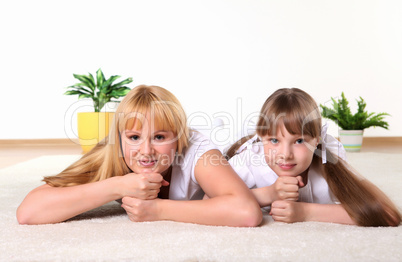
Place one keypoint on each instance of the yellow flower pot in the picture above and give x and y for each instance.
(92, 128)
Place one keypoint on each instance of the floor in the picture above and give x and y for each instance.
(15, 153)
(11, 154)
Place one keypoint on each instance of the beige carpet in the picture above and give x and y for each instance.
(106, 234)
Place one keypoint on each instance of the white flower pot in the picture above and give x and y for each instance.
(351, 139)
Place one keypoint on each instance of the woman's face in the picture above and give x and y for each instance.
(148, 149)
(287, 154)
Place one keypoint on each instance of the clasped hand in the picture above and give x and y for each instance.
(286, 208)
(140, 197)
(287, 188)
(143, 186)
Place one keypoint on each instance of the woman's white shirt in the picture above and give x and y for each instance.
(183, 185)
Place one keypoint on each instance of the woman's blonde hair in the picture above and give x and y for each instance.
(106, 159)
(298, 112)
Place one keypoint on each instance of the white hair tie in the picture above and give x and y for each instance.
(324, 143)
(248, 144)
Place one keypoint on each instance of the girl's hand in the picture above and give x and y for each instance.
(142, 186)
(287, 188)
(139, 210)
(287, 211)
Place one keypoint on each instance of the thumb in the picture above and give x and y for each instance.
(153, 177)
(300, 181)
(165, 183)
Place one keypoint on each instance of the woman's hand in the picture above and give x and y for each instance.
(142, 186)
(139, 210)
(288, 211)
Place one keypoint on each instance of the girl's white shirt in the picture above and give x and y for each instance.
(183, 185)
(251, 166)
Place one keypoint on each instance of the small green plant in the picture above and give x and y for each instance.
(341, 114)
(100, 91)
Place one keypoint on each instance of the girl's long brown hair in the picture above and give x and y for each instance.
(106, 159)
(366, 204)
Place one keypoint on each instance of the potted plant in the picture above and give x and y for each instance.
(352, 125)
(94, 126)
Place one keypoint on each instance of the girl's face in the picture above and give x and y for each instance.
(287, 154)
(148, 149)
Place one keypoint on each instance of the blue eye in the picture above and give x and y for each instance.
(273, 140)
(300, 141)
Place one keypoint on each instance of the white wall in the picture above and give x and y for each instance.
(215, 56)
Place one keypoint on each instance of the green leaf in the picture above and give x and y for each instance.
(100, 78)
(71, 92)
(122, 83)
(106, 86)
(86, 80)
(84, 96)
(77, 92)
(81, 87)
(116, 93)
(91, 77)
(82, 91)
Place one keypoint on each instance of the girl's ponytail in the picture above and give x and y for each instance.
(366, 204)
(233, 148)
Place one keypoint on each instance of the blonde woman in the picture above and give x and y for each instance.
(155, 164)
(290, 168)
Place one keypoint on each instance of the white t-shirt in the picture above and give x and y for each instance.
(183, 185)
(251, 166)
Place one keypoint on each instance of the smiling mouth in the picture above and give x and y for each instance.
(286, 166)
(147, 163)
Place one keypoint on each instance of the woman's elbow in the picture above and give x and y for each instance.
(23, 217)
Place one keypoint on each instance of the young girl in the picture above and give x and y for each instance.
(292, 170)
(150, 160)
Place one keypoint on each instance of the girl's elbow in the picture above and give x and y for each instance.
(253, 220)
(251, 215)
